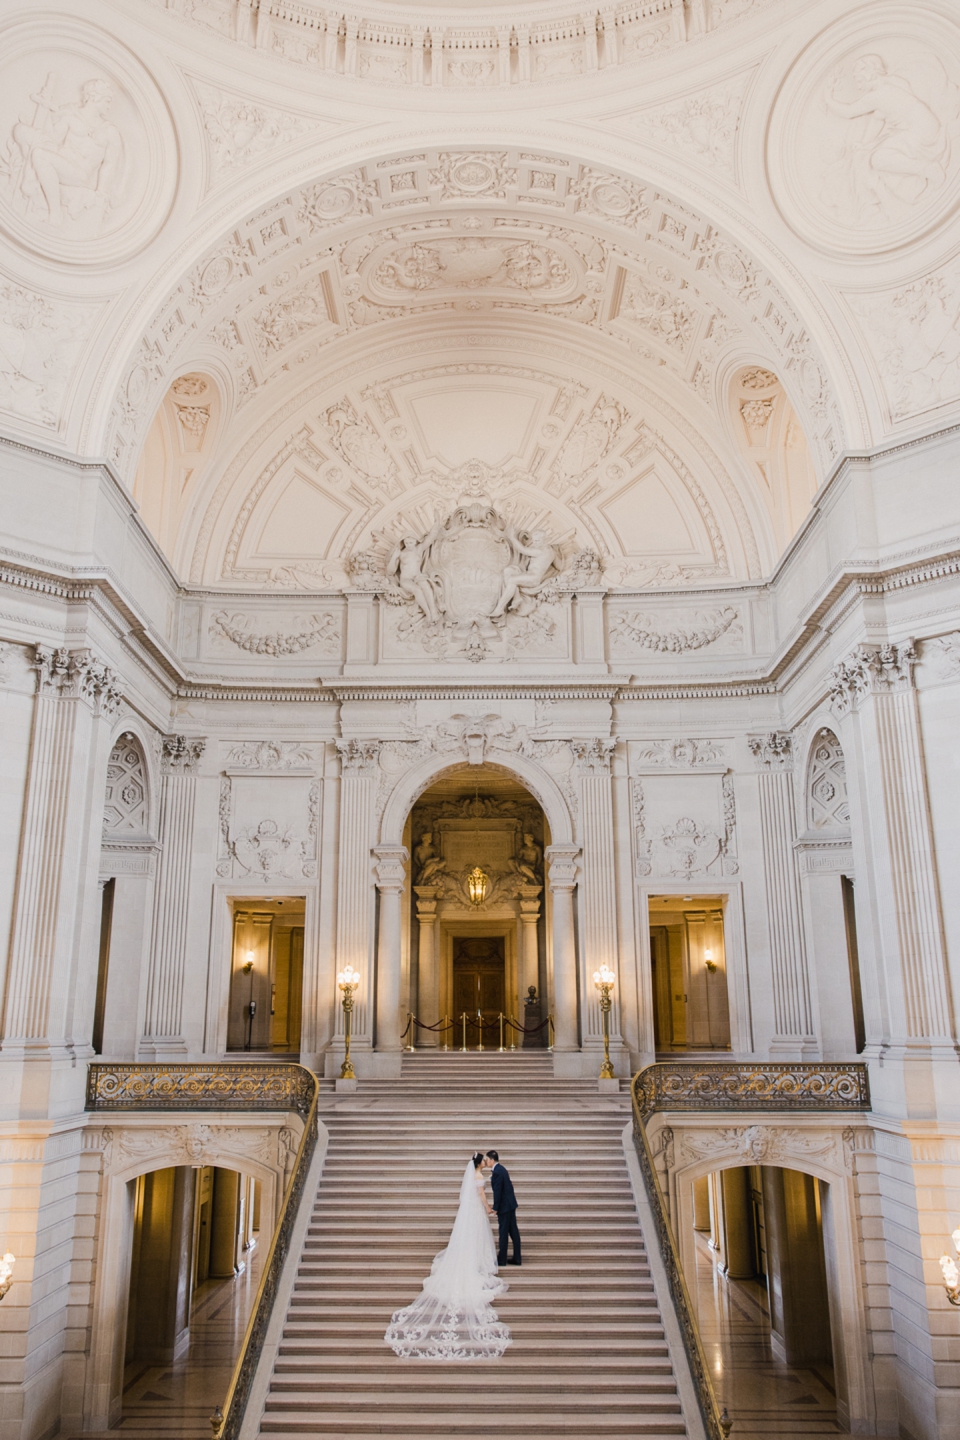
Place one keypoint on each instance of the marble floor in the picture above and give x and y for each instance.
(765, 1398)
(175, 1402)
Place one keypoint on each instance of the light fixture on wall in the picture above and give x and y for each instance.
(249, 965)
(6, 1272)
(951, 1272)
(709, 961)
(478, 885)
(604, 979)
(348, 980)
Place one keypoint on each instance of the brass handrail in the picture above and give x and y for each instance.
(725, 1085)
(229, 1086)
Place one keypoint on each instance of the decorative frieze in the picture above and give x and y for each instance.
(679, 754)
(314, 630)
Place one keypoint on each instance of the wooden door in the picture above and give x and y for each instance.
(478, 984)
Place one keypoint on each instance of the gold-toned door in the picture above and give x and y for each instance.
(478, 984)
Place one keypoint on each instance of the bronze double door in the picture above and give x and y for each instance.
(479, 984)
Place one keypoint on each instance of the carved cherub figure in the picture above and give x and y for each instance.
(406, 563)
(522, 582)
(428, 863)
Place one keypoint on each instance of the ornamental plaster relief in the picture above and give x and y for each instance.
(457, 49)
(229, 630)
(41, 342)
(912, 335)
(680, 292)
(268, 827)
(87, 164)
(704, 126)
(684, 824)
(863, 141)
(677, 632)
(240, 132)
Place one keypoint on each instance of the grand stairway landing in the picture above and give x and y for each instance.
(588, 1358)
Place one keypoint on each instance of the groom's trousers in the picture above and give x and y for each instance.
(507, 1220)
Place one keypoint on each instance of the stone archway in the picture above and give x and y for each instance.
(561, 877)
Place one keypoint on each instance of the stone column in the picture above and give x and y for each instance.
(529, 967)
(163, 1021)
(598, 888)
(793, 1030)
(355, 891)
(428, 979)
(907, 999)
(562, 879)
(53, 952)
(391, 880)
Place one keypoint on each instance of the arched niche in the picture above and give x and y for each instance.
(177, 450)
(826, 800)
(769, 435)
(127, 798)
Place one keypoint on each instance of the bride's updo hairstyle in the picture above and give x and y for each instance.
(478, 1160)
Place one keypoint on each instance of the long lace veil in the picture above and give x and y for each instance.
(453, 1318)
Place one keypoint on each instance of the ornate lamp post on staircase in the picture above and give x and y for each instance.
(348, 980)
(604, 979)
(951, 1272)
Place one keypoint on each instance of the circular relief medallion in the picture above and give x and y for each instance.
(473, 175)
(611, 199)
(864, 147)
(88, 156)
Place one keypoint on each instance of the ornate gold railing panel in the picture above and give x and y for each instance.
(234, 1085)
(686, 1085)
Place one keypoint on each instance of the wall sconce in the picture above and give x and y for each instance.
(6, 1272)
(249, 965)
(348, 980)
(709, 961)
(951, 1273)
(478, 884)
(604, 979)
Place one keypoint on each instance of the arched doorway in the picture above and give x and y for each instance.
(477, 923)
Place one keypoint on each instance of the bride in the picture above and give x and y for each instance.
(453, 1318)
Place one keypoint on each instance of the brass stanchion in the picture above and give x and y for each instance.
(447, 1025)
(463, 1017)
(550, 1031)
(513, 1035)
(410, 1030)
(479, 1030)
(502, 1046)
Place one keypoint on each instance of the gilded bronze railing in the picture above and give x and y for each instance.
(234, 1085)
(725, 1085)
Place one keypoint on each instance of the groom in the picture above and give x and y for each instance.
(505, 1204)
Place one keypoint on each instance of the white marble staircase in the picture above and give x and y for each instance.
(588, 1359)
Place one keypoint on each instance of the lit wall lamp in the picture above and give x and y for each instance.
(478, 885)
(604, 979)
(6, 1273)
(709, 961)
(249, 965)
(348, 980)
(951, 1273)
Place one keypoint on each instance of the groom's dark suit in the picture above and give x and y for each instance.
(505, 1204)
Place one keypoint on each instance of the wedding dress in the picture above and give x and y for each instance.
(453, 1318)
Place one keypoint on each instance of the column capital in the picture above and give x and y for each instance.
(358, 757)
(562, 860)
(773, 751)
(180, 754)
(593, 756)
(391, 867)
(871, 670)
(77, 675)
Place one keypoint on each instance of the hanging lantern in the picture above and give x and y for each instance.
(477, 886)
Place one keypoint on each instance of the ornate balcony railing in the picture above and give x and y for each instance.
(688, 1085)
(233, 1085)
